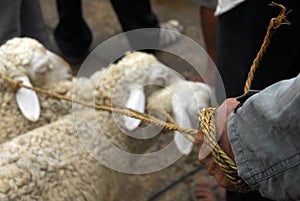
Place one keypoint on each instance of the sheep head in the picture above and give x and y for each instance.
(27, 60)
(176, 96)
(158, 76)
(27, 57)
(183, 100)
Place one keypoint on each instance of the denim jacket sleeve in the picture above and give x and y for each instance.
(265, 138)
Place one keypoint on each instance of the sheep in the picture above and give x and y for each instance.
(50, 163)
(44, 69)
(183, 100)
(45, 164)
(130, 83)
(26, 59)
(118, 81)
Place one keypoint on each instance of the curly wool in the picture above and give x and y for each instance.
(15, 55)
(13, 122)
(115, 82)
(117, 78)
(50, 163)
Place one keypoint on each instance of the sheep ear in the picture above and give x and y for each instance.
(136, 101)
(28, 101)
(180, 115)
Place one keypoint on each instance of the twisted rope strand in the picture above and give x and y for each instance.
(227, 165)
(206, 117)
(274, 24)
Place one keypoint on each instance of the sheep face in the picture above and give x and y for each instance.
(46, 68)
(27, 60)
(161, 75)
(27, 57)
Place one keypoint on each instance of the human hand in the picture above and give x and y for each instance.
(207, 190)
(221, 116)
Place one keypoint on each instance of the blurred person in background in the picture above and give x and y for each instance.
(22, 18)
(73, 36)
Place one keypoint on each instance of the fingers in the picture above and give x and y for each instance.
(200, 138)
(204, 194)
(222, 179)
(205, 183)
(204, 191)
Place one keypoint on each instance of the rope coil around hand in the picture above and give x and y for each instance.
(206, 115)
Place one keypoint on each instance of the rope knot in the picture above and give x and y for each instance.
(281, 18)
(274, 24)
(15, 84)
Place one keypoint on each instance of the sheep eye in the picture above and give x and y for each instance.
(43, 70)
(160, 81)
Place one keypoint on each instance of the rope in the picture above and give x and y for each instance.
(206, 115)
(187, 132)
(274, 24)
(228, 166)
(207, 120)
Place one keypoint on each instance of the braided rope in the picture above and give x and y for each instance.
(227, 165)
(207, 120)
(274, 24)
(206, 115)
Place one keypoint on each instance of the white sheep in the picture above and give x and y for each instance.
(131, 82)
(27, 60)
(49, 163)
(183, 100)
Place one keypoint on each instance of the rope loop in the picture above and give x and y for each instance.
(281, 18)
(206, 116)
(227, 165)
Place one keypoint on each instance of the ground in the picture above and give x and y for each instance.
(104, 24)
